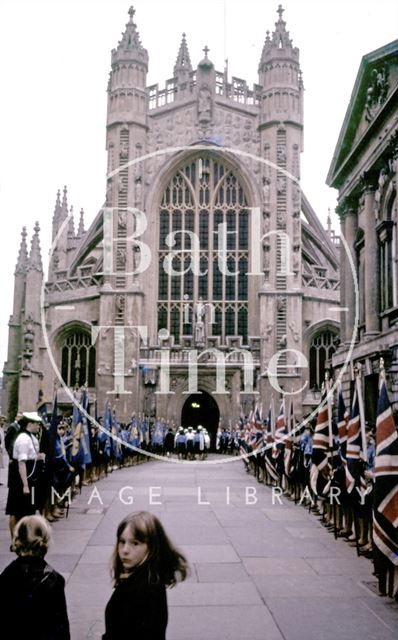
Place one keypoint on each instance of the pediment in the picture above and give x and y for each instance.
(374, 96)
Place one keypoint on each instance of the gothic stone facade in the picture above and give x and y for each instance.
(205, 156)
(364, 169)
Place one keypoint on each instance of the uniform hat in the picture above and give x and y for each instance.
(31, 416)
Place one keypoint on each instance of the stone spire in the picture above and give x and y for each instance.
(64, 207)
(329, 223)
(22, 262)
(71, 224)
(183, 66)
(34, 262)
(60, 213)
(81, 230)
(279, 43)
(130, 46)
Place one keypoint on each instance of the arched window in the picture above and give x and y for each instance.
(204, 197)
(321, 350)
(78, 360)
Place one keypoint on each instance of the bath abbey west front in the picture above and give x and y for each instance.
(205, 252)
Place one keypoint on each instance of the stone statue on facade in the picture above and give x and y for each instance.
(199, 323)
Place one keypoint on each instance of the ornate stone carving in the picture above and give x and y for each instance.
(28, 336)
(294, 330)
(138, 190)
(266, 189)
(280, 303)
(282, 342)
(204, 104)
(124, 150)
(383, 175)
(121, 220)
(281, 185)
(121, 257)
(268, 331)
(120, 303)
(377, 91)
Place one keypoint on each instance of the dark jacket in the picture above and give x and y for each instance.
(33, 601)
(136, 610)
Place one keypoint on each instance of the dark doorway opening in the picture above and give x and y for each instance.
(201, 409)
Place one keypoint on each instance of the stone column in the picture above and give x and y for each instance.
(350, 227)
(371, 265)
(343, 267)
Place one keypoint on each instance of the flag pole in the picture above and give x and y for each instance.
(361, 412)
(329, 407)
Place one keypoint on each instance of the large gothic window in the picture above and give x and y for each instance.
(323, 346)
(202, 195)
(78, 360)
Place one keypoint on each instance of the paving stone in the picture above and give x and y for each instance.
(214, 594)
(221, 572)
(222, 622)
(307, 585)
(338, 618)
(210, 553)
(277, 566)
(258, 572)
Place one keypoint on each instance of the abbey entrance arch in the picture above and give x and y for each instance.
(201, 409)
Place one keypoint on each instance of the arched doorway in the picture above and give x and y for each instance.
(201, 408)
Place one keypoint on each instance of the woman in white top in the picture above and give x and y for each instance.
(25, 468)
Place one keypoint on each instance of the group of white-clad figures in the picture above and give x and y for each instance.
(191, 444)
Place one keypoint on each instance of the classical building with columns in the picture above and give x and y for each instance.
(206, 275)
(364, 170)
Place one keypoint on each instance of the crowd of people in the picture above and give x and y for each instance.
(340, 467)
(335, 465)
(51, 457)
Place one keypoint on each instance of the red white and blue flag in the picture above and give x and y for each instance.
(320, 468)
(354, 447)
(342, 425)
(385, 513)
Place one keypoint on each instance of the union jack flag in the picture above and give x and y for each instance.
(354, 447)
(320, 468)
(342, 425)
(280, 431)
(385, 513)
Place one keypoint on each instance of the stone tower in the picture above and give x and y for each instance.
(281, 139)
(203, 169)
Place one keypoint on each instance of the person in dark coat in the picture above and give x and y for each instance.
(169, 442)
(144, 563)
(32, 593)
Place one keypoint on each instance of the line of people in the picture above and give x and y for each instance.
(46, 467)
(341, 470)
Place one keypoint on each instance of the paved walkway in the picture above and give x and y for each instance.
(260, 571)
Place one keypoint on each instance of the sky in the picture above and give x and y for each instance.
(54, 66)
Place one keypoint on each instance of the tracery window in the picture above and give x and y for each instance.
(323, 346)
(78, 358)
(203, 194)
